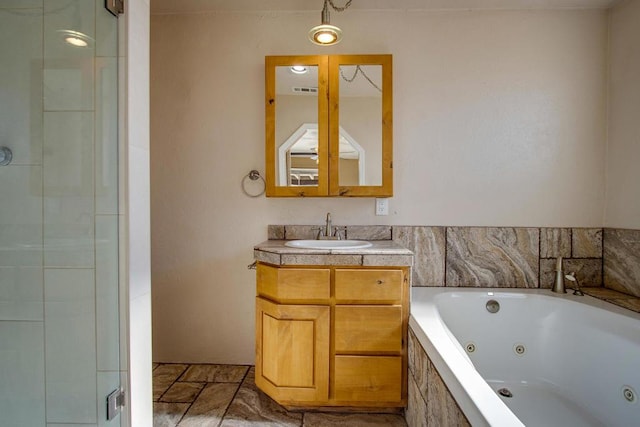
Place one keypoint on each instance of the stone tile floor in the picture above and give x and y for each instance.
(225, 395)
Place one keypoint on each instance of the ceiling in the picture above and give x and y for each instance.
(194, 6)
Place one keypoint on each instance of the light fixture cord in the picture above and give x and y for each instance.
(339, 9)
(355, 74)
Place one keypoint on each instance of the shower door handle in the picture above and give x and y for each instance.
(5, 156)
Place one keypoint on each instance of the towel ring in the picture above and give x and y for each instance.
(253, 176)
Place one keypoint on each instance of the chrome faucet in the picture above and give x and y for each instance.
(558, 285)
(328, 232)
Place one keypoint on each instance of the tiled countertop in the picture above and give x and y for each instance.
(381, 253)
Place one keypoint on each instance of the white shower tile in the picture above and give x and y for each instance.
(68, 84)
(21, 86)
(106, 31)
(68, 189)
(21, 293)
(106, 135)
(21, 216)
(107, 310)
(107, 383)
(71, 345)
(22, 373)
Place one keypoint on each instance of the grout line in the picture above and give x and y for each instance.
(234, 396)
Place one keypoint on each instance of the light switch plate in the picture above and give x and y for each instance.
(382, 206)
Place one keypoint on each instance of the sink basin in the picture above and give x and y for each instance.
(328, 244)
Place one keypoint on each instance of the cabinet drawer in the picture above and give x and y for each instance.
(368, 328)
(369, 285)
(302, 285)
(368, 378)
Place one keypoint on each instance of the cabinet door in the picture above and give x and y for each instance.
(292, 352)
(296, 126)
(360, 125)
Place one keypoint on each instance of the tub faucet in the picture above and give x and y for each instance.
(558, 285)
(572, 277)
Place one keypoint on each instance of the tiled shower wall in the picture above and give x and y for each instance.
(59, 319)
(505, 256)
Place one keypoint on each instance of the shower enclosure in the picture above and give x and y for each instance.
(60, 353)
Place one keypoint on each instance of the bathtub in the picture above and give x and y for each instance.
(565, 360)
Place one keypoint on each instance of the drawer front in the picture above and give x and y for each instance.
(302, 285)
(368, 378)
(383, 286)
(368, 328)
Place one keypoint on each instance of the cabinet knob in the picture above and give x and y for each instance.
(379, 282)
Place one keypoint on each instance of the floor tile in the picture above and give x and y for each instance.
(168, 414)
(251, 407)
(312, 419)
(165, 375)
(215, 373)
(210, 406)
(181, 392)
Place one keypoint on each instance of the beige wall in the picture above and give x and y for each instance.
(499, 120)
(623, 151)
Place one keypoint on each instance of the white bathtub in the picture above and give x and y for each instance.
(580, 365)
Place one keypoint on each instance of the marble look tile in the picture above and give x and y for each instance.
(369, 232)
(622, 260)
(428, 245)
(275, 232)
(215, 373)
(252, 407)
(586, 243)
(416, 412)
(442, 409)
(418, 364)
(210, 406)
(555, 242)
(492, 257)
(294, 232)
(312, 419)
(164, 375)
(267, 257)
(588, 272)
(604, 293)
(291, 259)
(168, 414)
(182, 392)
(393, 260)
(628, 303)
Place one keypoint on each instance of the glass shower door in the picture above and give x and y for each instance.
(59, 311)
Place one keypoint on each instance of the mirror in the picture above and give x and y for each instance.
(360, 112)
(328, 125)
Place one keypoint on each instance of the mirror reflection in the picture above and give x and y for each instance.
(360, 125)
(360, 113)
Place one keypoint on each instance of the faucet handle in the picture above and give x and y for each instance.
(339, 230)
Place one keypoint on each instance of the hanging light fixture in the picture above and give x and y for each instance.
(327, 34)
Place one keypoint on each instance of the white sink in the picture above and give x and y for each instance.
(328, 244)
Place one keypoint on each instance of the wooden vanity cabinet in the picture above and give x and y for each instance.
(332, 336)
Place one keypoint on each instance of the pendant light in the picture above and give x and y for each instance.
(327, 34)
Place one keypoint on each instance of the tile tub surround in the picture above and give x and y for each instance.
(523, 257)
(225, 395)
(430, 403)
